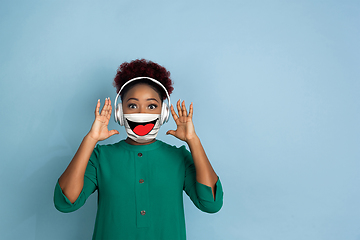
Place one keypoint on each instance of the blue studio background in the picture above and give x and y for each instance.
(275, 86)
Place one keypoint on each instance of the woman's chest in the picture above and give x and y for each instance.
(130, 172)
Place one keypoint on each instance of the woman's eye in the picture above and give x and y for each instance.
(132, 106)
(152, 106)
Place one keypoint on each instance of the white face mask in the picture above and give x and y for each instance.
(142, 127)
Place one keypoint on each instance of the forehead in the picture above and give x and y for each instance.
(141, 90)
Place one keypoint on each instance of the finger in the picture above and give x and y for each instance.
(108, 108)
(191, 110)
(113, 132)
(108, 113)
(173, 113)
(97, 108)
(179, 108)
(104, 109)
(184, 108)
(171, 132)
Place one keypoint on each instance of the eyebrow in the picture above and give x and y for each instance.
(149, 99)
(132, 99)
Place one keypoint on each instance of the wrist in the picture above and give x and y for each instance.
(90, 138)
(193, 140)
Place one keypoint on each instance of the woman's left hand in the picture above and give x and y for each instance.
(185, 128)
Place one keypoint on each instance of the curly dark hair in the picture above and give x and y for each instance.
(143, 68)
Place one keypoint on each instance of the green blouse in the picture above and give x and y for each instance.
(140, 191)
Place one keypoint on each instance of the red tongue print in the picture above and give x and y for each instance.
(142, 130)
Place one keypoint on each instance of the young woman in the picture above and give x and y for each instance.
(140, 180)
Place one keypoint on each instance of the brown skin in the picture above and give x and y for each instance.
(185, 131)
(72, 180)
(139, 99)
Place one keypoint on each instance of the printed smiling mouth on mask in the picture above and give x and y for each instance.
(141, 129)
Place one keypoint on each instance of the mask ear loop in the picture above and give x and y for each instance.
(165, 114)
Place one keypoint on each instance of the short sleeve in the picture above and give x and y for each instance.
(200, 194)
(62, 203)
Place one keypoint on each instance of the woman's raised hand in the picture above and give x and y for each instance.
(185, 128)
(99, 129)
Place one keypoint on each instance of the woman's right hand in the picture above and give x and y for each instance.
(99, 129)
